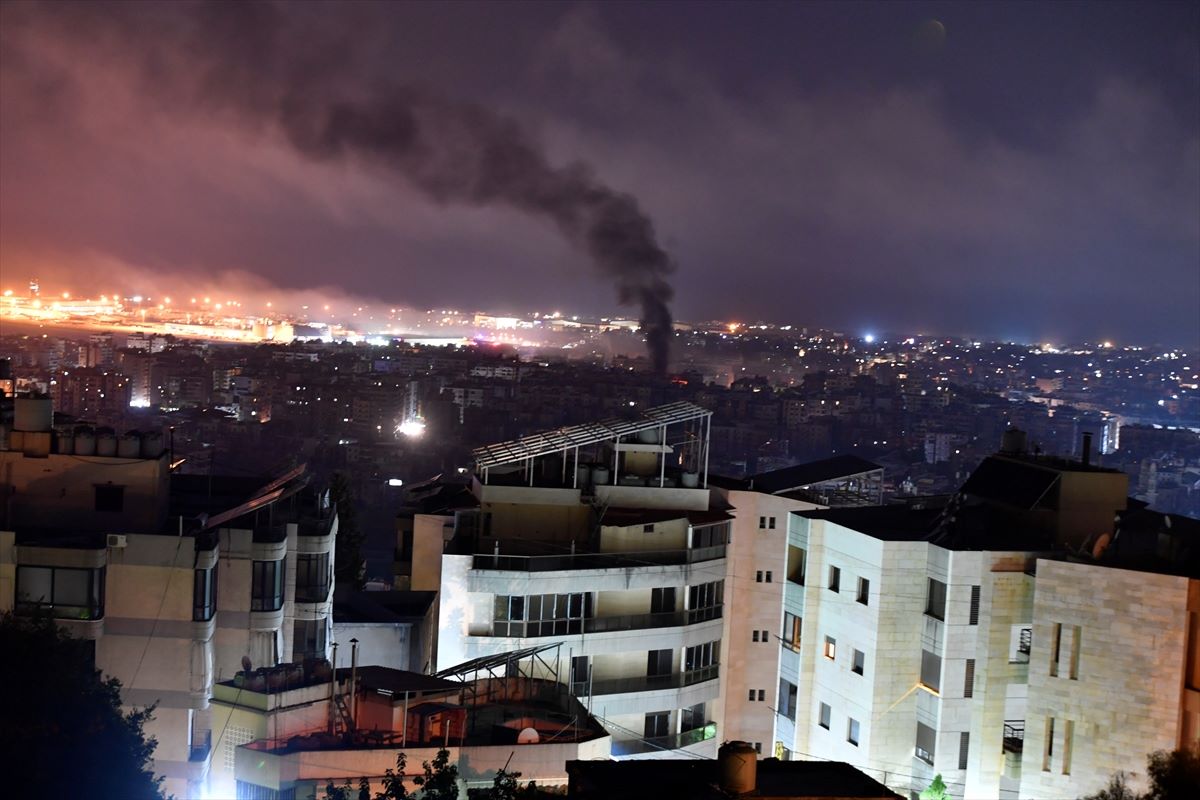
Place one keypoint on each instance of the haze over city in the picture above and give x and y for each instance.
(1015, 171)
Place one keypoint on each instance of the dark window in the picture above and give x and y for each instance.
(931, 670)
(973, 619)
(860, 662)
(768, 576)
(701, 658)
(825, 715)
(754, 636)
(662, 601)
(926, 741)
(65, 593)
(751, 696)
(658, 724)
(693, 718)
(110, 498)
(758, 576)
(266, 591)
(835, 579)
(969, 679)
(648, 528)
(762, 523)
(710, 535)
(771, 523)
(658, 663)
(852, 731)
(762, 695)
(935, 599)
(964, 745)
(787, 699)
(204, 594)
(540, 614)
(313, 577)
(308, 641)
(864, 591)
(705, 601)
(764, 636)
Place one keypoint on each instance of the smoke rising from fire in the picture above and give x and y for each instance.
(294, 72)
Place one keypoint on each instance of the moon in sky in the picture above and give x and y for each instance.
(931, 35)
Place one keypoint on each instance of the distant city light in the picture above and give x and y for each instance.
(412, 428)
(869, 338)
(395, 482)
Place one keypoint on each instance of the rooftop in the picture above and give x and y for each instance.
(801, 475)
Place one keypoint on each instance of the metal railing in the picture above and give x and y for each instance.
(670, 742)
(622, 622)
(578, 561)
(646, 683)
(1014, 736)
(1024, 647)
(924, 755)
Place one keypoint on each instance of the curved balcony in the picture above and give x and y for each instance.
(585, 561)
(677, 741)
(620, 623)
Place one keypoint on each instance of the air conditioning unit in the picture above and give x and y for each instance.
(116, 540)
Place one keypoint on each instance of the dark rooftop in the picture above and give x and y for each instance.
(697, 779)
(1020, 482)
(782, 480)
(350, 605)
(386, 680)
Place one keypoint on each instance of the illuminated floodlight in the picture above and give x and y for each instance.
(412, 428)
(139, 403)
(869, 338)
(395, 482)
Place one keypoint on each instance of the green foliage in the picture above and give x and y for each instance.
(62, 723)
(440, 781)
(504, 785)
(343, 792)
(936, 790)
(1174, 775)
(348, 558)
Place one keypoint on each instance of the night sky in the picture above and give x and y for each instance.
(1022, 171)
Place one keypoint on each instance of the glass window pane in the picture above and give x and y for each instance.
(71, 587)
(33, 584)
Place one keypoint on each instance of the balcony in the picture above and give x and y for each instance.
(1014, 736)
(645, 683)
(1024, 647)
(200, 748)
(585, 561)
(619, 623)
(659, 743)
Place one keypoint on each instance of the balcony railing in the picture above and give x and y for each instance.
(924, 755)
(200, 748)
(672, 742)
(621, 622)
(1024, 647)
(646, 683)
(580, 561)
(1014, 736)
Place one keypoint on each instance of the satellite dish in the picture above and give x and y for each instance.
(528, 736)
(246, 664)
(1101, 545)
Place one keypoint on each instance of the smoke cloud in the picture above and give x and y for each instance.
(293, 71)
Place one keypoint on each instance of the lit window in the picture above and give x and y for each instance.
(830, 647)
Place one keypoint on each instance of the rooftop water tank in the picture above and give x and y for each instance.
(85, 442)
(106, 443)
(738, 767)
(32, 414)
(130, 445)
(152, 444)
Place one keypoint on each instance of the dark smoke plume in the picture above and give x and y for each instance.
(291, 68)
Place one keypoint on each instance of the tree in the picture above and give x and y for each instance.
(393, 781)
(1174, 775)
(936, 790)
(504, 785)
(348, 558)
(440, 781)
(62, 722)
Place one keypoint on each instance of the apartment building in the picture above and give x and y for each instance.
(601, 539)
(1008, 638)
(173, 597)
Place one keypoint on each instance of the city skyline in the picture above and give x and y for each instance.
(1005, 172)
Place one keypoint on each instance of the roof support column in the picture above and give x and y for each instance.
(707, 439)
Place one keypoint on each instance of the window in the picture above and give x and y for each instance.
(864, 591)
(540, 614)
(796, 564)
(710, 535)
(762, 695)
(835, 579)
(931, 670)
(65, 593)
(308, 639)
(768, 576)
(824, 716)
(750, 695)
(313, 577)
(755, 636)
(762, 523)
(662, 601)
(758, 576)
(693, 718)
(935, 599)
(791, 631)
(758, 748)
(658, 724)
(973, 617)
(969, 679)
(648, 528)
(658, 663)
(860, 662)
(266, 591)
(964, 746)
(204, 594)
(705, 600)
(1048, 753)
(787, 699)
(1073, 664)
(852, 731)
(765, 636)
(926, 743)
(1068, 743)
(700, 662)
(830, 647)
(1055, 646)
(110, 498)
